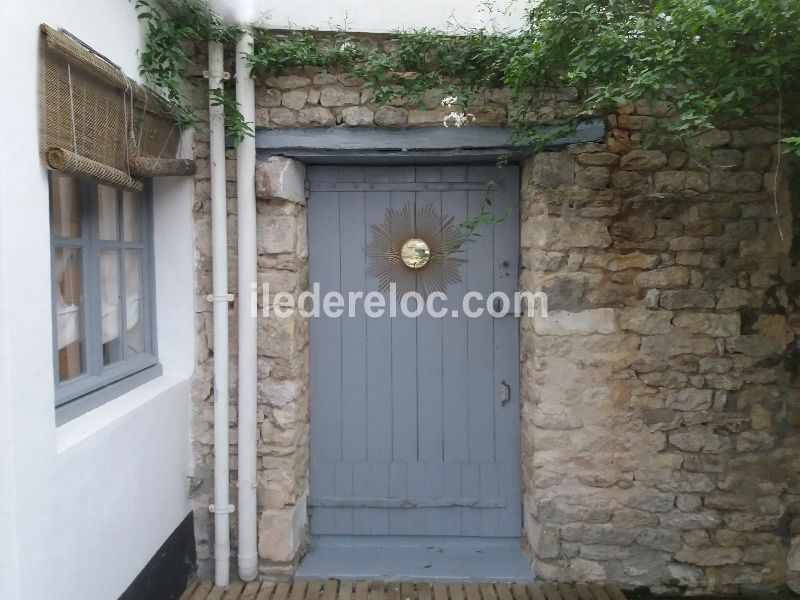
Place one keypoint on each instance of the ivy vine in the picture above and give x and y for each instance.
(715, 60)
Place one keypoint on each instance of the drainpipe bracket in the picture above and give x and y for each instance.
(221, 75)
(220, 510)
(225, 298)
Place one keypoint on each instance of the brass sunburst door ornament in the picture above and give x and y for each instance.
(413, 248)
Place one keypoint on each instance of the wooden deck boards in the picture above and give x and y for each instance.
(420, 590)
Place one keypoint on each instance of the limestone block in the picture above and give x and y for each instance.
(713, 138)
(735, 181)
(646, 322)
(660, 539)
(593, 178)
(390, 116)
(281, 532)
(562, 234)
(325, 79)
(596, 158)
(599, 320)
(358, 116)
(793, 565)
(552, 169)
(633, 260)
(676, 299)
(277, 235)
(295, 99)
(663, 278)
(338, 96)
(316, 116)
(680, 181)
(282, 117)
(281, 177)
(690, 399)
(754, 136)
(709, 557)
(643, 160)
(727, 158)
(287, 82)
(718, 325)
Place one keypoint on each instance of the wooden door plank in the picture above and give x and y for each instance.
(298, 589)
(598, 591)
(456, 591)
(362, 591)
(314, 589)
(376, 590)
(352, 272)
(202, 590)
(325, 359)
(535, 592)
(345, 590)
(266, 591)
(216, 593)
(424, 590)
(472, 591)
(234, 590)
(503, 591)
(329, 590)
(487, 591)
(551, 592)
(190, 590)
(393, 591)
(567, 591)
(519, 592)
(614, 592)
(439, 591)
(250, 590)
(408, 590)
(583, 591)
(505, 272)
(282, 591)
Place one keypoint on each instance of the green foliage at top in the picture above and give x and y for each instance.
(166, 59)
(715, 59)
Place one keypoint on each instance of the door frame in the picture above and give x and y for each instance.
(340, 145)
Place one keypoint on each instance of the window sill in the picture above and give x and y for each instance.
(75, 408)
(77, 429)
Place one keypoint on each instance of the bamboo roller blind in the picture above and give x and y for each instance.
(95, 121)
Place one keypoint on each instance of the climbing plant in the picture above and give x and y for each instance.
(714, 59)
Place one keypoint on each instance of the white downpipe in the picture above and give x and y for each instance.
(248, 309)
(219, 297)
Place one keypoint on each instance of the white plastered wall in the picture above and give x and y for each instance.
(83, 506)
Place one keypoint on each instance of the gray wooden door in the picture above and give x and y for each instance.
(413, 431)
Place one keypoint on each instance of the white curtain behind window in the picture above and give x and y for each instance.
(68, 316)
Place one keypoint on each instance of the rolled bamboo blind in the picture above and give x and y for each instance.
(94, 120)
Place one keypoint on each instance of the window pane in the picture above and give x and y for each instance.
(134, 305)
(66, 214)
(109, 306)
(69, 312)
(107, 208)
(131, 217)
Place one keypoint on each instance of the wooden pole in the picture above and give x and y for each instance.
(161, 167)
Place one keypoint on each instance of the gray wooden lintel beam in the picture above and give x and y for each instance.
(331, 144)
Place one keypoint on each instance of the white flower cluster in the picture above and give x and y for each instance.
(458, 118)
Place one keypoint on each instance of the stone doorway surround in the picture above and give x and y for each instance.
(281, 181)
(660, 404)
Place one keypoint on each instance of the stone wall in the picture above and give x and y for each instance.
(660, 399)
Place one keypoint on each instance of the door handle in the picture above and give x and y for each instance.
(505, 392)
